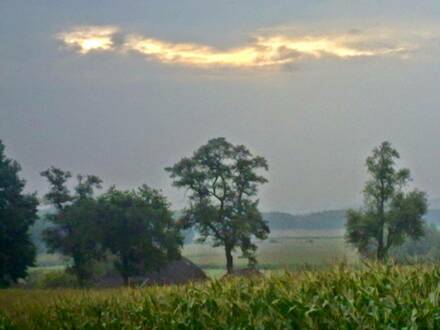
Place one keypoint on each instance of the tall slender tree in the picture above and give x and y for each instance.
(223, 181)
(18, 211)
(391, 212)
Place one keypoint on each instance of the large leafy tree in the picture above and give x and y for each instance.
(74, 232)
(139, 230)
(391, 212)
(223, 181)
(18, 211)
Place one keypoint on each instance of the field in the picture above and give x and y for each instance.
(283, 250)
(371, 297)
(312, 280)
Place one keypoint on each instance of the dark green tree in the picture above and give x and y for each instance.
(18, 211)
(391, 212)
(223, 182)
(74, 232)
(138, 228)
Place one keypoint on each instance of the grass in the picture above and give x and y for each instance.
(289, 253)
(290, 250)
(49, 260)
(372, 297)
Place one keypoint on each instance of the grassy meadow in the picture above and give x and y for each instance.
(290, 250)
(283, 250)
(370, 297)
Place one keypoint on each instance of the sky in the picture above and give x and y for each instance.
(122, 89)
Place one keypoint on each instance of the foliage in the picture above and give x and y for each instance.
(223, 180)
(374, 297)
(138, 228)
(391, 214)
(18, 211)
(50, 278)
(73, 233)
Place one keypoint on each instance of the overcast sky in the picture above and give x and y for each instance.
(123, 89)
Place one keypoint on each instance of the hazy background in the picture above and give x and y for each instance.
(124, 118)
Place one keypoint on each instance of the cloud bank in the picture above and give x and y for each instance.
(263, 51)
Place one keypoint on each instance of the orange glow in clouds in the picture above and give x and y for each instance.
(263, 52)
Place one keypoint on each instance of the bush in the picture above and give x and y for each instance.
(50, 278)
(58, 279)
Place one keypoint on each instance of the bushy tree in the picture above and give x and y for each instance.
(223, 182)
(18, 211)
(73, 233)
(138, 228)
(391, 212)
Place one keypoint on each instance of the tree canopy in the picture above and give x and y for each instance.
(139, 230)
(73, 233)
(223, 181)
(18, 211)
(391, 212)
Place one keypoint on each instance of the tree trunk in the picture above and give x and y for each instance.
(229, 260)
(125, 279)
(380, 239)
(77, 269)
(380, 247)
(124, 270)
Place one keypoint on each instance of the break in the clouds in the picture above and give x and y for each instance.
(88, 38)
(263, 51)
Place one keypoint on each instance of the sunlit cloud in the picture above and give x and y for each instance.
(262, 51)
(89, 38)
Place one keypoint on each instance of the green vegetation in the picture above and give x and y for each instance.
(50, 278)
(223, 182)
(73, 232)
(391, 214)
(373, 297)
(138, 229)
(134, 229)
(291, 250)
(18, 211)
(291, 253)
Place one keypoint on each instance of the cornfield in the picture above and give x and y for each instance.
(373, 297)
